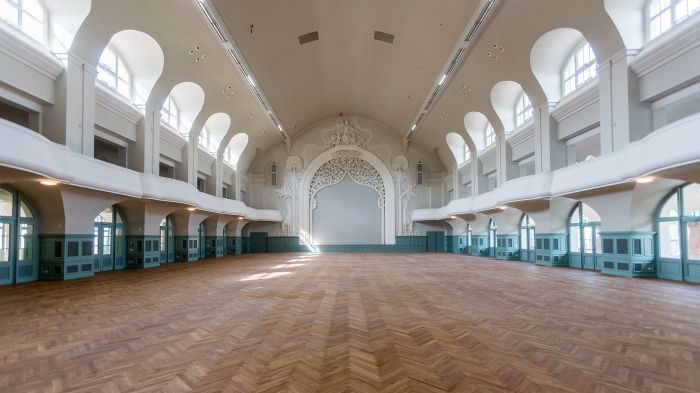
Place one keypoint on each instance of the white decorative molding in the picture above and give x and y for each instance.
(406, 193)
(347, 163)
(577, 101)
(288, 195)
(345, 135)
(668, 47)
(363, 167)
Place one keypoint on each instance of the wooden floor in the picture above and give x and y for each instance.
(351, 323)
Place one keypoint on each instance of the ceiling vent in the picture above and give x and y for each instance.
(385, 37)
(308, 37)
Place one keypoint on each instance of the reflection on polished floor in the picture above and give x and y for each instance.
(351, 323)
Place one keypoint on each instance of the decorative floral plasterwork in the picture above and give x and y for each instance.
(345, 134)
(288, 194)
(406, 193)
(347, 163)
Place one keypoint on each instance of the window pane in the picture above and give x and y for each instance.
(33, 28)
(669, 240)
(108, 60)
(33, 8)
(523, 238)
(26, 242)
(105, 77)
(670, 208)
(124, 88)
(122, 70)
(5, 203)
(574, 239)
(575, 219)
(106, 241)
(24, 211)
(691, 200)
(96, 243)
(532, 239)
(588, 240)
(4, 242)
(9, 13)
(693, 238)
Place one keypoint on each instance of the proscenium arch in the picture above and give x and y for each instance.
(303, 203)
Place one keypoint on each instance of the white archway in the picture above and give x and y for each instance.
(305, 208)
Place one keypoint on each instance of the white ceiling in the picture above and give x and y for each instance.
(346, 70)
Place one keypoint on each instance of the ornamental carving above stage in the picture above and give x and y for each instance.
(347, 163)
(345, 134)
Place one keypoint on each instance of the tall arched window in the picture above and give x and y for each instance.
(527, 238)
(678, 229)
(29, 16)
(581, 67)
(664, 14)
(492, 238)
(167, 241)
(489, 135)
(109, 241)
(523, 110)
(169, 114)
(19, 246)
(113, 72)
(584, 237)
(204, 138)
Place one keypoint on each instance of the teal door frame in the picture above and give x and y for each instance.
(435, 241)
(202, 241)
(20, 269)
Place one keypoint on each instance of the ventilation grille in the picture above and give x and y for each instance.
(385, 37)
(308, 37)
(479, 21)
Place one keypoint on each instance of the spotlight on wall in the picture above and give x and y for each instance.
(49, 182)
(645, 180)
(191, 209)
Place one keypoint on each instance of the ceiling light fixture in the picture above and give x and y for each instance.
(453, 217)
(645, 180)
(191, 209)
(250, 80)
(49, 182)
(503, 207)
(413, 128)
(442, 80)
(241, 218)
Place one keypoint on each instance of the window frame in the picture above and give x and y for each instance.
(20, 20)
(526, 103)
(119, 63)
(489, 135)
(573, 55)
(674, 23)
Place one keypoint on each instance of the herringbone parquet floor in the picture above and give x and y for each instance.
(351, 323)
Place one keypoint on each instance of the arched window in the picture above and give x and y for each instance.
(113, 72)
(527, 238)
(663, 15)
(204, 138)
(169, 114)
(492, 238)
(584, 237)
(29, 16)
(19, 246)
(523, 110)
(489, 135)
(678, 228)
(580, 68)
(109, 241)
(167, 240)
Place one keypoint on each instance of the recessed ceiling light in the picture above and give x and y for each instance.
(250, 80)
(453, 217)
(645, 180)
(49, 182)
(191, 209)
(414, 127)
(503, 207)
(241, 218)
(442, 80)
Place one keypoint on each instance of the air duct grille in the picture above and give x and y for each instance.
(308, 37)
(385, 37)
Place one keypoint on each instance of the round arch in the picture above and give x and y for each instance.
(304, 200)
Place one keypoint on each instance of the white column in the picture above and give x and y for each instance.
(144, 156)
(72, 117)
(550, 153)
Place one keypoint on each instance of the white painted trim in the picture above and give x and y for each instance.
(577, 101)
(668, 47)
(109, 101)
(28, 53)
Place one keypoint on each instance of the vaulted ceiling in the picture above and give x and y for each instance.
(346, 70)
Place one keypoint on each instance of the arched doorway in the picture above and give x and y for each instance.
(167, 240)
(678, 235)
(527, 239)
(492, 238)
(109, 241)
(202, 241)
(584, 238)
(19, 245)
